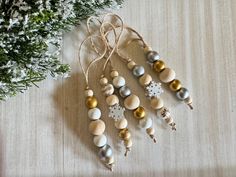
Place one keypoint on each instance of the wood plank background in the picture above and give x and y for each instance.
(43, 132)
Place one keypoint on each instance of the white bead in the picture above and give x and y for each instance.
(118, 81)
(114, 74)
(103, 81)
(100, 140)
(121, 123)
(94, 113)
(88, 93)
(145, 123)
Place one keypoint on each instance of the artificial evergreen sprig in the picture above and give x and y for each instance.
(27, 30)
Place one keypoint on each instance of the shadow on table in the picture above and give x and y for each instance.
(213, 172)
(70, 104)
(67, 97)
(2, 169)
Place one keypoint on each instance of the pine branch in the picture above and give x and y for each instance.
(27, 29)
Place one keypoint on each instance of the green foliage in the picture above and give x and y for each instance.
(27, 30)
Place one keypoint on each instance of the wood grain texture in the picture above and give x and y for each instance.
(43, 132)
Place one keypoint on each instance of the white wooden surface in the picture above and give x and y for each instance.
(43, 132)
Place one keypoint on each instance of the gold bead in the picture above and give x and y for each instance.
(127, 135)
(139, 113)
(175, 85)
(91, 102)
(122, 133)
(159, 66)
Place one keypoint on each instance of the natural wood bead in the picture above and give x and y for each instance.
(108, 90)
(169, 120)
(112, 100)
(145, 79)
(114, 74)
(131, 102)
(167, 75)
(128, 143)
(131, 65)
(175, 85)
(159, 66)
(139, 113)
(150, 131)
(97, 127)
(103, 81)
(147, 49)
(157, 103)
(91, 102)
(88, 93)
(110, 160)
(121, 123)
(188, 100)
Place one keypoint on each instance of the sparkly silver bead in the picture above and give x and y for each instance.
(105, 152)
(182, 94)
(153, 56)
(124, 91)
(138, 71)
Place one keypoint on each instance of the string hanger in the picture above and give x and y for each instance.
(85, 70)
(104, 34)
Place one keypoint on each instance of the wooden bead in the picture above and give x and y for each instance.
(114, 74)
(94, 113)
(188, 100)
(175, 85)
(139, 113)
(159, 66)
(112, 100)
(147, 49)
(169, 120)
(91, 102)
(150, 131)
(121, 123)
(131, 102)
(145, 79)
(108, 90)
(157, 103)
(97, 127)
(128, 143)
(88, 93)
(131, 65)
(110, 160)
(167, 75)
(103, 81)
(100, 140)
(145, 123)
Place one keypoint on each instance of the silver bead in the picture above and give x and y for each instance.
(124, 91)
(153, 56)
(138, 71)
(182, 94)
(105, 152)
